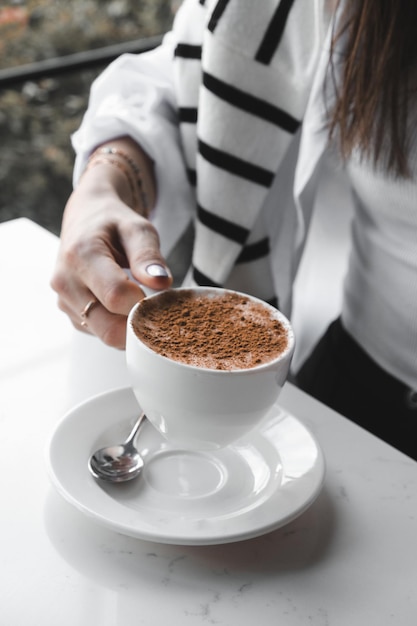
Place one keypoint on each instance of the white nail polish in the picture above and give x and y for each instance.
(154, 269)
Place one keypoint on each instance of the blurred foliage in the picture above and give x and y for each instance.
(38, 118)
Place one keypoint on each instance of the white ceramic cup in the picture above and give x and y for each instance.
(196, 408)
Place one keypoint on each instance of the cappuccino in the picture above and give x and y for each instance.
(211, 329)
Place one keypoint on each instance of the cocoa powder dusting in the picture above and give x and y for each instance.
(220, 331)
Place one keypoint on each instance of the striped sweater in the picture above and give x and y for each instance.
(219, 108)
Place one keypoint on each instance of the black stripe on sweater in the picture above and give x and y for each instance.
(228, 229)
(192, 177)
(188, 115)
(187, 51)
(203, 280)
(273, 302)
(274, 33)
(254, 251)
(234, 165)
(216, 15)
(253, 105)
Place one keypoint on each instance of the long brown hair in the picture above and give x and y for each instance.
(378, 74)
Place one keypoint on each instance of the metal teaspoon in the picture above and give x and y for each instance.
(119, 462)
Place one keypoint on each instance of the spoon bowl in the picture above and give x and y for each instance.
(120, 462)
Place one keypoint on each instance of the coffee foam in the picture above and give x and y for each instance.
(210, 329)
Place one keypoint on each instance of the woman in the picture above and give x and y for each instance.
(206, 131)
(212, 130)
(365, 365)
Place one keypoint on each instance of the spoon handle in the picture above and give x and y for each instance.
(135, 428)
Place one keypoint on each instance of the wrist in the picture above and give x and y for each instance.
(104, 179)
(134, 166)
(133, 172)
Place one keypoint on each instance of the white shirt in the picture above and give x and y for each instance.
(380, 290)
(379, 305)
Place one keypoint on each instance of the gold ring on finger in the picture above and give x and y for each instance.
(86, 311)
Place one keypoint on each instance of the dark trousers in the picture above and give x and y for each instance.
(342, 376)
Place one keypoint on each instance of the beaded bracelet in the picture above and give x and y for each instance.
(110, 150)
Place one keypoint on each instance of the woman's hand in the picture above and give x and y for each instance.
(100, 236)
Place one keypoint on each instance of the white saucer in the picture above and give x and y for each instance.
(245, 490)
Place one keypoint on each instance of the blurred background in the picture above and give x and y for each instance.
(50, 52)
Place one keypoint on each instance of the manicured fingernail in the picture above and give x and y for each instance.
(157, 270)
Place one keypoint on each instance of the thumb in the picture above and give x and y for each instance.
(147, 266)
(155, 274)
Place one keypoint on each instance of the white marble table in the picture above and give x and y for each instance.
(350, 559)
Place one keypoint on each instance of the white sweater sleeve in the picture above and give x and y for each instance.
(135, 96)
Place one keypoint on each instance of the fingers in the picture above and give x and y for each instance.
(113, 296)
(111, 329)
(90, 265)
(145, 260)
